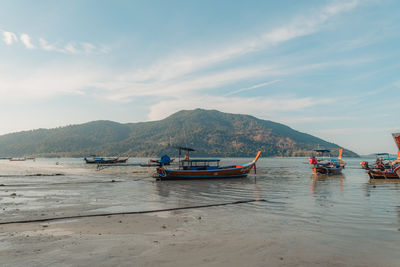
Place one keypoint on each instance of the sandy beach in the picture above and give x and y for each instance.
(303, 222)
(183, 238)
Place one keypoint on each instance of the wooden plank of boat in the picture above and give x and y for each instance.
(382, 175)
(207, 173)
(327, 170)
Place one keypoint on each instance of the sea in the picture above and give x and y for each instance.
(342, 216)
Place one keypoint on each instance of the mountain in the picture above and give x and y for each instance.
(210, 132)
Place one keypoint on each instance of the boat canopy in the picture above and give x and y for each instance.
(322, 151)
(192, 164)
(202, 160)
(382, 154)
(183, 148)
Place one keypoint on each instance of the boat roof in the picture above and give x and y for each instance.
(322, 150)
(197, 160)
(382, 154)
(183, 148)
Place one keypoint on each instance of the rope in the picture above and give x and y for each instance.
(136, 212)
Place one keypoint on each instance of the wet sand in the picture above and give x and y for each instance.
(184, 238)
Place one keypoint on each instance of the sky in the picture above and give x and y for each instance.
(330, 68)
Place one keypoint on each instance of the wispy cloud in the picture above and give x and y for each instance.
(185, 75)
(9, 37)
(46, 46)
(46, 82)
(313, 119)
(26, 40)
(177, 65)
(233, 104)
(252, 87)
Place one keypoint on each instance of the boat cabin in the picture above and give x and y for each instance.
(199, 164)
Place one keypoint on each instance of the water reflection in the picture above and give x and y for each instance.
(207, 190)
(325, 184)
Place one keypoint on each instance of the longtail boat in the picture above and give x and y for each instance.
(386, 168)
(17, 159)
(383, 161)
(323, 163)
(204, 169)
(105, 160)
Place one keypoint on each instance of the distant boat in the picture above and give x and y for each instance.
(323, 163)
(203, 169)
(105, 160)
(17, 159)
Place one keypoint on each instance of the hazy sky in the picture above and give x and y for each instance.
(328, 68)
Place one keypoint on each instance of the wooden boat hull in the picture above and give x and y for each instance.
(327, 170)
(105, 161)
(17, 159)
(382, 175)
(236, 172)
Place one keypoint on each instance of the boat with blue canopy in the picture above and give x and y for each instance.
(203, 168)
(323, 163)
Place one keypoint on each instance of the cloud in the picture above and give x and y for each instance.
(312, 119)
(187, 75)
(178, 65)
(234, 105)
(26, 40)
(73, 47)
(9, 38)
(70, 48)
(252, 87)
(46, 46)
(46, 82)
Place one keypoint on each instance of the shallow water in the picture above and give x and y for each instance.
(343, 215)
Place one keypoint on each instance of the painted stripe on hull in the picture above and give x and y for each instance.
(172, 177)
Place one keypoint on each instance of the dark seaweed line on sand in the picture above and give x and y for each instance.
(71, 183)
(29, 175)
(138, 212)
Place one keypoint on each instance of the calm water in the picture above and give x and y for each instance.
(345, 214)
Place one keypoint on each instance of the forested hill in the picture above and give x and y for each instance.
(210, 132)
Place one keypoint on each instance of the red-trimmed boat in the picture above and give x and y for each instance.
(327, 164)
(204, 169)
(386, 169)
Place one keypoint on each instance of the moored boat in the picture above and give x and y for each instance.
(105, 160)
(386, 168)
(17, 159)
(382, 174)
(204, 169)
(323, 163)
